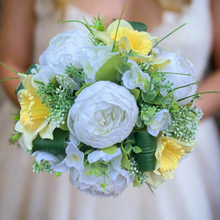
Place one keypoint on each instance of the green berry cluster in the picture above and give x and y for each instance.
(39, 168)
(59, 100)
(135, 170)
(95, 41)
(184, 124)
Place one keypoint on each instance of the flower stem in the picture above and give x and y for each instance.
(177, 73)
(185, 86)
(41, 83)
(197, 94)
(9, 68)
(86, 25)
(169, 35)
(2, 80)
(118, 26)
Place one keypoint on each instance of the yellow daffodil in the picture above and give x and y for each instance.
(128, 38)
(33, 113)
(168, 154)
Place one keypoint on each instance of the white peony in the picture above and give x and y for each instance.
(179, 65)
(161, 121)
(63, 49)
(134, 77)
(90, 185)
(65, 43)
(92, 61)
(103, 114)
(73, 160)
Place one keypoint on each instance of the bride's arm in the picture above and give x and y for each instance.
(16, 37)
(210, 103)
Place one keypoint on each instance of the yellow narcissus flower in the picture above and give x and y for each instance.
(128, 38)
(33, 113)
(168, 154)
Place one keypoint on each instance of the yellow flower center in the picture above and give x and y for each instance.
(171, 153)
(138, 42)
(32, 110)
(75, 157)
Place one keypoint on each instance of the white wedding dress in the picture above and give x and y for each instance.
(193, 194)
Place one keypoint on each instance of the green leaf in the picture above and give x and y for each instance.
(120, 69)
(149, 121)
(133, 54)
(97, 173)
(147, 143)
(148, 96)
(151, 111)
(138, 26)
(147, 85)
(136, 181)
(103, 185)
(135, 93)
(55, 146)
(86, 163)
(144, 116)
(130, 140)
(136, 149)
(83, 87)
(119, 76)
(57, 174)
(124, 161)
(88, 151)
(110, 150)
(109, 70)
(139, 122)
(128, 148)
(124, 59)
(158, 101)
(20, 87)
(127, 66)
(156, 80)
(88, 172)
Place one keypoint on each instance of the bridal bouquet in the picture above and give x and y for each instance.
(110, 106)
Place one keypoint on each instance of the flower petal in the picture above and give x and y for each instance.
(61, 167)
(154, 180)
(47, 132)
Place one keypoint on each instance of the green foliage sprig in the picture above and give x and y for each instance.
(39, 168)
(60, 100)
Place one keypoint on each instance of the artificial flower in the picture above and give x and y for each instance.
(183, 66)
(92, 61)
(62, 51)
(103, 114)
(168, 153)
(73, 160)
(135, 78)
(33, 113)
(51, 158)
(161, 121)
(90, 185)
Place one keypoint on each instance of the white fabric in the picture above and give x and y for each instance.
(193, 194)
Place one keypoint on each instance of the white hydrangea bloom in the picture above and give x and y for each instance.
(161, 121)
(135, 78)
(103, 114)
